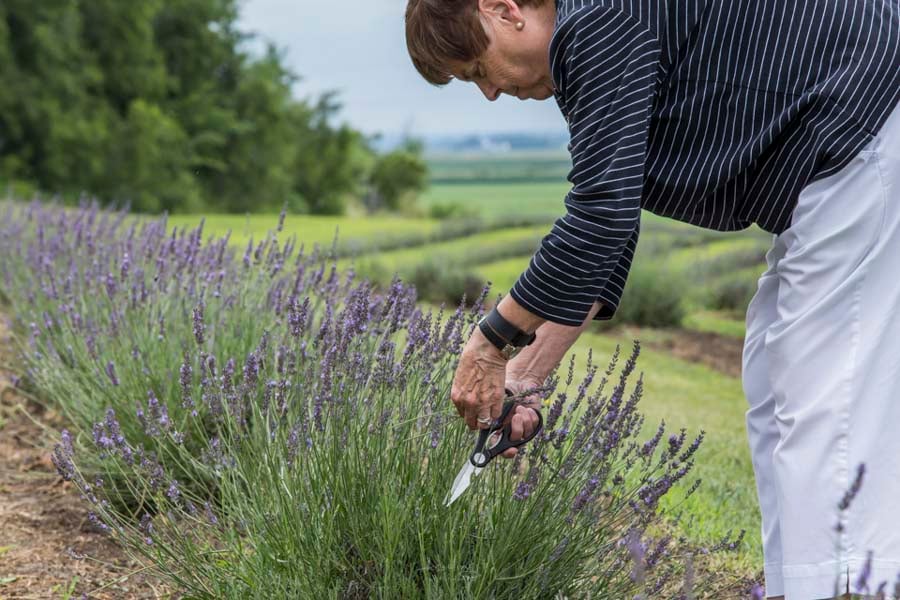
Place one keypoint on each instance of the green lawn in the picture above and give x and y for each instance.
(308, 228)
(502, 199)
(696, 397)
(468, 250)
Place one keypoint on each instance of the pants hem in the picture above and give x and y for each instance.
(825, 580)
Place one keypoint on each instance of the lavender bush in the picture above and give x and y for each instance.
(264, 426)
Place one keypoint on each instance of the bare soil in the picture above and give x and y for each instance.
(48, 548)
(719, 352)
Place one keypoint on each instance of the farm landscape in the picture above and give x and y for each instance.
(186, 389)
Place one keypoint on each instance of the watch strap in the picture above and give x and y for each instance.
(506, 331)
(491, 335)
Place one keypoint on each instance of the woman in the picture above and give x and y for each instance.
(782, 113)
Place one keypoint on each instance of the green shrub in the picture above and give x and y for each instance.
(653, 297)
(439, 281)
(731, 293)
(450, 210)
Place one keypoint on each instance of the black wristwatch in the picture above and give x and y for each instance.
(508, 338)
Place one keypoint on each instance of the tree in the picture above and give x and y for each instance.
(330, 162)
(156, 103)
(396, 178)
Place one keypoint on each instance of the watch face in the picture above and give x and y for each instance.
(509, 351)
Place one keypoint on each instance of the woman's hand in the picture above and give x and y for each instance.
(477, 390)
(523, 419)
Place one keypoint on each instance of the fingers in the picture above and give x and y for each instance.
(477, 390)
(522, 424)
(481, 411)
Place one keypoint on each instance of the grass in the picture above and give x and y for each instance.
(465, 250)
(458, 167)
(500, 199)
(310, 229)
(503, 274)
(696, 397)
(719, 322)
(720, 250)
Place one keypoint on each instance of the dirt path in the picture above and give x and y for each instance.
(719, 352)
(48, 548)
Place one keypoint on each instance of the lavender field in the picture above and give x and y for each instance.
(261, 423)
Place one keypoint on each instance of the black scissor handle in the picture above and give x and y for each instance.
(482, 456)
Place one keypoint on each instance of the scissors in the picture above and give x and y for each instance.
(481, 456)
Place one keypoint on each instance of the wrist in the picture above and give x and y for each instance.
(487, 346)
(526, 380)
(517, 315)
(505, 336)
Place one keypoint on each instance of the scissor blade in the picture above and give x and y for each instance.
(461, 483)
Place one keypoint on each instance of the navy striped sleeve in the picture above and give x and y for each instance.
(604, 64)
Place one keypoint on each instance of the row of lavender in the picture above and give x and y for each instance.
(260, 424)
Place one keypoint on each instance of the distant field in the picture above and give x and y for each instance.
(511, 167)
(498, 199)
(467, 250)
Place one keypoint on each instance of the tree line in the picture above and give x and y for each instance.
(157, 104)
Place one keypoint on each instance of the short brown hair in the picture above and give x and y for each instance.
(442, 31)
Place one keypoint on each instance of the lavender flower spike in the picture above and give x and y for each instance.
(111, 373)
(199, 327)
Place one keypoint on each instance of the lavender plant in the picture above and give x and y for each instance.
(255, 430)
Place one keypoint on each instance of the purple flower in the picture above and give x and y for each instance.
(146, 523)
(199, 326)
(247, 252)
(96, 522)
(862, 582)
(101, 440)
(757, 592)
(156, 417)
(210, 515)
(854, 488)
(186, 378)
(676, 442)
(585, 494)
(110, 282)
(62, 457)
(251, 369)
(523, 490)
(650, 446)
(126, 265)
(281, 217)
(173, 493)
(111, 373)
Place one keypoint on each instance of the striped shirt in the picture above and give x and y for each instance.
(713, 112)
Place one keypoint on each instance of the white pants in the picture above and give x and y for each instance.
(821, 372)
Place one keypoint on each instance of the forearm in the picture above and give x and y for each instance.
(535, 362)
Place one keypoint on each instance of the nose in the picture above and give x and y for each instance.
(491, 92)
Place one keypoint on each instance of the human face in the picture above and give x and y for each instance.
(516, 61)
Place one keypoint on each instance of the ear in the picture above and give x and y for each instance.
(500, 12)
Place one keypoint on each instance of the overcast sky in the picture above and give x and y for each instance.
(358, 48)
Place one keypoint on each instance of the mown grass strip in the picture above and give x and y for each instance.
(696, 397)
(469, 250)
